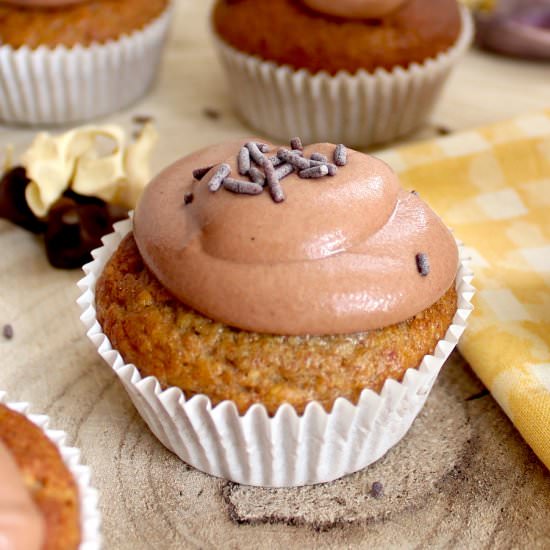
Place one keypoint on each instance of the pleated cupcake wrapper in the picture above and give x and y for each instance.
(90, 521)
(46, 86)
(360, 109)
(286, 449)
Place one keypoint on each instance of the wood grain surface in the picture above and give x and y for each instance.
(462, 478)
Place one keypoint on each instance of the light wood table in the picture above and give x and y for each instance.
(462, 478)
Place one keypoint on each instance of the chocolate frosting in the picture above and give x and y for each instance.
(337, 257)
(21, 524)
(355, 9)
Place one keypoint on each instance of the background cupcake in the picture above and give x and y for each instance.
(352, 72)
(292, 341)
(46, 501)
(66, 61)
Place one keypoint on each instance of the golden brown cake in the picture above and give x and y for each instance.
(328, 280)
(288, 32)
(46, 477)
(182, 348)
(82, 23)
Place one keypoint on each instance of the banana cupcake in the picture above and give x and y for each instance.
(45, 501)
(65, 61)
(355, 71)
(298, 297)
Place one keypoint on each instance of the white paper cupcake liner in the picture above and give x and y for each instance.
(90, 520)
(360, 109)
(46, 86)
(286, 449)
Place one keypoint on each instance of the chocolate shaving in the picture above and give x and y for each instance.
(296, 160)
(423, 264)
(7, 332)
(296, 144)
(256, 176)
(275, 189)
(243, 161)
(199, 173)
(242, 187)
(340, 155)
(314, 172)
(216, 181)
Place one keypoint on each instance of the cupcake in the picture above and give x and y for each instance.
(278, 315)
(358, 72)
(64, 61)
(45, 502)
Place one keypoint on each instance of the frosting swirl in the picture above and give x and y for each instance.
(355, 9)
(337, 257)
(21, 525)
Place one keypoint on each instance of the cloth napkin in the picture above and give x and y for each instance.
(492, 186)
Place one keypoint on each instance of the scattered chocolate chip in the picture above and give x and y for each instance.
(142, 119)
(7, 332)
(443, 130)
(13, 204)
(188, 198)
(199, 173)
(340, 155)
(377, 490)
(423, 264)
(216, 181)
(296, 144)
(75, 229)
(212, 114)
(242, 187)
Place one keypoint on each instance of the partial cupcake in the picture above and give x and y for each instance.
(45, 501)
(66, 61)
(358, 72)
(278, 284)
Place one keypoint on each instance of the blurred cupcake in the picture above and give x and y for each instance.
(65, 61)
(357, 72)
(305, 344)
(46, 502)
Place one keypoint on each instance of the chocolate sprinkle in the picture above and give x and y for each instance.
(275, 189)
(7, 332)
(284, 170)
(188, 198)
(290, 156)
(296, 144)
(314, 172)
(423, 264)
(244, 161)
(377, 490)
(257, 156)
(242, 187)
(216, 181)
(256, 176)
(319, 158)
(340, 155)
(199, 173)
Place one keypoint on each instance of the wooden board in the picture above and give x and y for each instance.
(462, 478)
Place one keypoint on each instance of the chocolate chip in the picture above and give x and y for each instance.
(7, 332)
(75, 229)
(211, 113)
(377, 490)
(13, 204)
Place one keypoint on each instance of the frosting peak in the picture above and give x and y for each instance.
(355, 9)
(339, 255)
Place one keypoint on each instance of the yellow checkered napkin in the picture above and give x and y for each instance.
(492, 186)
